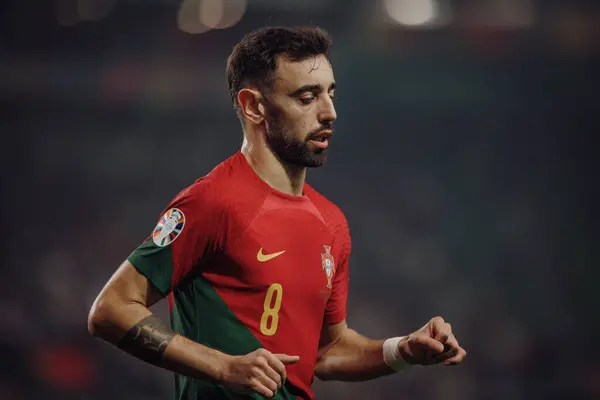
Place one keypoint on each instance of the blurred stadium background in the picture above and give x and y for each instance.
(464, 159)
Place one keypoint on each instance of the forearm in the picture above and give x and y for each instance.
(134, 329)
(352, 357)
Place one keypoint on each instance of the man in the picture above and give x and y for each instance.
(253, 260)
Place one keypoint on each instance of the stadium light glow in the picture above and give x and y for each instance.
(233, 11)
(198, 16)
(188, 17)
(211, 12)
(412, 12)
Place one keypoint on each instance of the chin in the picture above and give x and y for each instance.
(304, 157)
(316, 159)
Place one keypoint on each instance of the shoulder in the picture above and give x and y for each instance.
(221, 187)
(226, 194)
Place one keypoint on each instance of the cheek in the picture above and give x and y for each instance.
(304, 127)
(297, 122)
(297, 126)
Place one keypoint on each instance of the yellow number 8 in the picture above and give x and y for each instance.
(272, 312)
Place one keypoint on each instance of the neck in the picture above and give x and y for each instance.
(275, 172)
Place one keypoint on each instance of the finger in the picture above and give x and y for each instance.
(286, 359)
(448, 353)
(427, 343)
(458, 358)
(442, 331)
(279, 368)
(452, 343)
(442, 337)
(261, 389)
(435, 325)
(273, 376)
(266, 378)
(450, 348)
(444, 356)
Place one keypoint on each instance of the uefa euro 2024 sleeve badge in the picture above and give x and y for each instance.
(328, 265)
(169, 227)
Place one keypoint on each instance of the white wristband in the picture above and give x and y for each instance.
(391, 354)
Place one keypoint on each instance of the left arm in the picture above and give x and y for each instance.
(346, 355)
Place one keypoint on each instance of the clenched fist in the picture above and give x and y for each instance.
(259, 372)
(432, 344)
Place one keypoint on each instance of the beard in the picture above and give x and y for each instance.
(290, 148)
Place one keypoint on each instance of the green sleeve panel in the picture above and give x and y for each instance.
(155, 263)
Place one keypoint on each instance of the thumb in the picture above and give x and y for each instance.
(429, 343)
(287, 359)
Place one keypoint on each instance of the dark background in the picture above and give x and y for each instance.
(464, 159)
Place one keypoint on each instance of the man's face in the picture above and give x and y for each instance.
(300, 111)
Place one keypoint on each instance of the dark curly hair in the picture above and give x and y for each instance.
(253, 61)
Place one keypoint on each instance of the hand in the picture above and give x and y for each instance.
(259, 372)
(432, 344)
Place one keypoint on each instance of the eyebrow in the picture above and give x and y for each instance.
(310, 88)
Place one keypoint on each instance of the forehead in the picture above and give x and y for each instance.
(313, 70)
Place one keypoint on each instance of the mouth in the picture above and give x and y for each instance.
(320, 140)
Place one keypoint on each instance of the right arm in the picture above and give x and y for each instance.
(120, 316)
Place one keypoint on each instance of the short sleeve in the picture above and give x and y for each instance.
(335, 310)
(189, 230)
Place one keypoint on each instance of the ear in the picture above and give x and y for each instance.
(250, 104)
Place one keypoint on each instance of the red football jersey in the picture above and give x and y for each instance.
(246, 266)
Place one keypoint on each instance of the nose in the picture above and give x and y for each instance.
(327, 112)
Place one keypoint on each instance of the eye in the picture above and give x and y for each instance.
(332, 96)
(307, 100)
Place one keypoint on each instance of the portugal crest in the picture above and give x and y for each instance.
(328, 265)
(169, 227)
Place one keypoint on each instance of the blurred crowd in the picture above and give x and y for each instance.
(463, 159)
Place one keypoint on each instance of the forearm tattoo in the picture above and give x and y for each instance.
(147, 340)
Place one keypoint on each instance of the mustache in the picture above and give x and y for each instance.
(324, 127)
